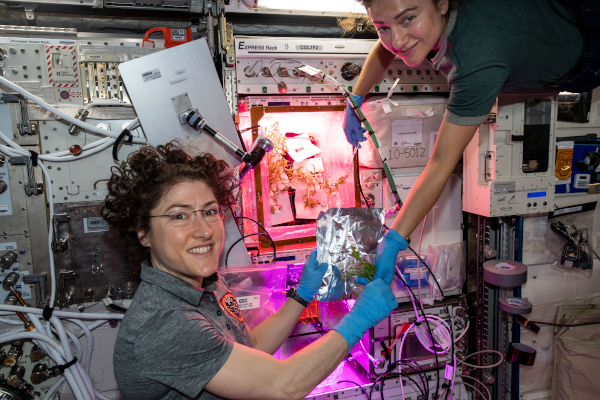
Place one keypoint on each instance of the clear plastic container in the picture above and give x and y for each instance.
(258, 288)
(409, 266)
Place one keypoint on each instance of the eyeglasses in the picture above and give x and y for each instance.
(185, 218)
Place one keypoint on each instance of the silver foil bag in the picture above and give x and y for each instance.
(338, 230)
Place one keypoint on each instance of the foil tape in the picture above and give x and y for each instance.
(521, 354)
(338, 230)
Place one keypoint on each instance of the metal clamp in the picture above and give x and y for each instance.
(59, 244)
(488, 154)
(41, 279)
(64, 298)
(31, 187)
(25, 127)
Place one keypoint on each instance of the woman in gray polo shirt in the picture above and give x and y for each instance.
(483, 47)
(184, 337)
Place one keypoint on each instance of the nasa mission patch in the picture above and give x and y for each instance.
(230, 304)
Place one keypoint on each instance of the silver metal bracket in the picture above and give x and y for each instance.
(31, 187)
(57, 243)
(25, 127)
(41, 280)
(64, 298)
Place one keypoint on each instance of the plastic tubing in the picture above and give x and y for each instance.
(400, 352)
(478, 381)
(54, 388)
(462, 333)
(444, 330)
(62, 335)
(483, 366)
(53, 354)
(61, 114)
(104, 143)
(474, 388)
(409, 293)
(90, 342)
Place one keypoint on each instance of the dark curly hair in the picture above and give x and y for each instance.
(137, 185)
(453, 4)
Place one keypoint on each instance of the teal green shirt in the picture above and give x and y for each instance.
(491, 46)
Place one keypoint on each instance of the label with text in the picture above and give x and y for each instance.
(95, 224)
(248, 302)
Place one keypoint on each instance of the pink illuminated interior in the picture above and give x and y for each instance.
(336, 153)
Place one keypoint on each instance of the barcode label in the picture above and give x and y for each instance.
(151, 75)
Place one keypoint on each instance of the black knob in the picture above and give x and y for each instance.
(3, 187)
(350, 71)
(535, 204)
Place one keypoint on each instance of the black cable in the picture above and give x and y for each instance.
(266, 232)
(563, 325)
(447, 312)
(360, 186)
(423, 377)
(595, 254)
(424, 390)
(418, 301)
(242, 238)
(361, 388)
(117, 308)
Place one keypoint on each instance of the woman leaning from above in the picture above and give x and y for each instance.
(483, 47)
(183, 337)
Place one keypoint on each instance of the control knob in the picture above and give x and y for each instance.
(350, 71)
(3, 187)
(249, 71)
(282, 71)
(266, 71)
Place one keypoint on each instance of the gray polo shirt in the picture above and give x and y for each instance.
(493, 46)
(175, 337)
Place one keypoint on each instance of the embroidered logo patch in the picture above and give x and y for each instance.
(230, 304)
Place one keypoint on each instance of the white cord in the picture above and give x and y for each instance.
(474, 388)
(411, 297)
(478, 381)
(463, 332)
(419, 260)
(62, 314)
(483, 366)
(60, 114)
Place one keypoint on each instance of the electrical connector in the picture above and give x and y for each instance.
(36, 353)
(14, 353)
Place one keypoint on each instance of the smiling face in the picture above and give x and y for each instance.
(409, 28)
(189, 252)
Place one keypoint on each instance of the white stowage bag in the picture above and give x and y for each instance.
(576, 359)
(406, 132)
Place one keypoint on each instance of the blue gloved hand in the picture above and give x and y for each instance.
(374, 304)
(311, 278)
(386, 255)
(352, 125)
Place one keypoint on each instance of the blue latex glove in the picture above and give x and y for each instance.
(352, 125)
(386, 255)
(311, 278)
(374, 304)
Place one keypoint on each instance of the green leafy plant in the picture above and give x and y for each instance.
(282, 175)
(364, 268)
